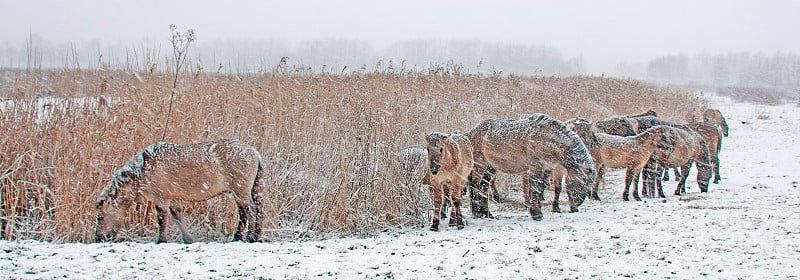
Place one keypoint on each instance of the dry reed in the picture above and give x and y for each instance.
(330, 141)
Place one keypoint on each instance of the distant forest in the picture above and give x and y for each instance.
(741, 69)
(778, 70)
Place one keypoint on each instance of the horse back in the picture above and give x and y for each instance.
(199, 171)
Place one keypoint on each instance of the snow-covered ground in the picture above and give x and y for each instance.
(748, 227)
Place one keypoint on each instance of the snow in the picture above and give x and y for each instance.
(748, 226)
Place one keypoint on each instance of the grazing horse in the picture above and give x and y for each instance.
(679, 147)
(620, 126)
(613, 151)
(531, 147)
(450, 162)
(166, 172)
(713, 137)
(715, 117)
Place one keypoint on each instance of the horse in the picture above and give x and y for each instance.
(680, 146)
(415, 172)
(621, 126)
(531, 147)
(648, 120)
(713, 137)
(614, 151)
(450, 163)
(166, 173)
(715, 117)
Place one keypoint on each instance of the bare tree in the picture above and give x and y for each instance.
(180, 46)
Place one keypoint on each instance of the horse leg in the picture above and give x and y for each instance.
(445, 201)
(682, 183)
(665, 175)
(239, 234)
(162, 224)
(535, 187)
(495, 193)
(677, 174)
(177, 213)
(437, 207)
(628, 178)
(658, 185)
(645, 183)
(479, 197)
(475, 193)
(601, 169)
(527, 196)
(556, 193)
(635, 184)
(456, 218)
(715, 163)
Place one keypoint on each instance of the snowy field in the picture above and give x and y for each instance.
(747, 227)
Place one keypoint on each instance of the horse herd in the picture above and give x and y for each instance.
(545, 151)
(542, 150)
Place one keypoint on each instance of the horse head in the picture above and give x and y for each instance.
(436, 148)
(117, 196)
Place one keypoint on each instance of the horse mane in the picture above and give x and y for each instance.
(651, 113)
(132, 170)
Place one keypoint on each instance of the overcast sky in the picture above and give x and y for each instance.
(603, 32)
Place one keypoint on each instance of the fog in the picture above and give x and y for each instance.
(597, 37)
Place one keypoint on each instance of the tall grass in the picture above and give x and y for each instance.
(330, 141)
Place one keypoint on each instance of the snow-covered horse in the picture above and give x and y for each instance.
(680, 146)
(715, 117)
(450, 163)
(166, 172)
(531, 147)
(613, 151)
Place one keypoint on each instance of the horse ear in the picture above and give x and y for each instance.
(445, 136)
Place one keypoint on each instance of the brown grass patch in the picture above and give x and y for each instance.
(329, 140)
(766, 96)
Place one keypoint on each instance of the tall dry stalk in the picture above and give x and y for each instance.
(180, 46)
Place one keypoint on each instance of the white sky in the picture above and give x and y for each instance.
(604, 32)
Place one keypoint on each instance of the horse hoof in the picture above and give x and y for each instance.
(637, 198)
(625, 198)
(536, 214)
(556, 210)
(573, 209)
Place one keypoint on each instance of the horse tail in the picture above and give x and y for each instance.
(257, 194)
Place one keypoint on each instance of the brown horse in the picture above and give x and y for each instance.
(168, 173)
(679, 147)
(450, 162)
(648, 120)
(531, 147)
(715, 117)
(613, 151)
(620, 126)
(713, 137)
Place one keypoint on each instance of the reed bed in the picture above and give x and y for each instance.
(330, 141)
